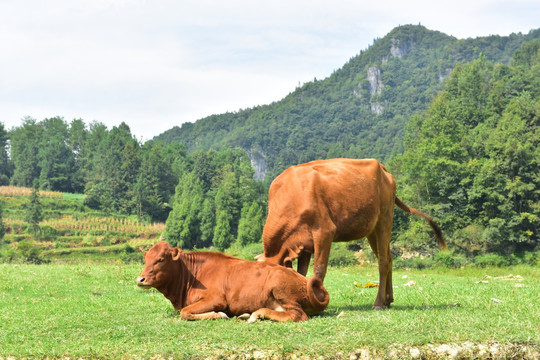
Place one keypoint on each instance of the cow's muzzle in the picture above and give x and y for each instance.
(141, 282)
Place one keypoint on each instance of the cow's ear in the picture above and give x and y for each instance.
(144, 253)
(176, 253)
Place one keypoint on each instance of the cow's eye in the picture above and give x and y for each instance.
(160, 261)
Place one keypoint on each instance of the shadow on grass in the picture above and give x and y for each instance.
(335, 311)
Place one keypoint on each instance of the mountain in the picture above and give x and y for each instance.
(360, 110)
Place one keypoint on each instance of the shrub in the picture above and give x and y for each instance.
(532, 258)
(341, 255)
(47, 233)
(29, 252)
(8, 254)
(448, 259)
(130, 254)
(60, 245)
(247, 252)
(470, 239)
(491, 260)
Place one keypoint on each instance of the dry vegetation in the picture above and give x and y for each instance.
(24, 191)
(69, 222)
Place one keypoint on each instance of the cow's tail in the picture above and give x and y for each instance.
(436, 229)
(318, 297)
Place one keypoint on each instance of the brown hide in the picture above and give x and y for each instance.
(208, 285)
(314, 204)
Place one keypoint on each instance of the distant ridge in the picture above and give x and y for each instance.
(360, 110)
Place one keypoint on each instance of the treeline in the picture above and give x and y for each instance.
(212, 193)
(217, 203)
(115, 171)
(473, 159)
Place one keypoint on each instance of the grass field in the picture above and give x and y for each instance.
(96, 311)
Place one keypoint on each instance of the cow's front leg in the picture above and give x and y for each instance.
(203, 310)
(322, 242)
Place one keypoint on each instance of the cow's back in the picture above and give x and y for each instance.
(348, 193)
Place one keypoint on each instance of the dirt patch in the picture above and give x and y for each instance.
(457, 351)
(465, 350)
(461, 351)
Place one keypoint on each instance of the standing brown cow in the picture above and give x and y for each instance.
(209, 285)
(314, 204)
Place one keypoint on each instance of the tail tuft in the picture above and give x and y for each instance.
(317, 295)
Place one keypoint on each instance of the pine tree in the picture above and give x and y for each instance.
(223, 237)
(251, 224)
(34, 211)
(2, 224)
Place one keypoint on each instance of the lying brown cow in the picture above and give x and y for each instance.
(209, 285)
(314, 204)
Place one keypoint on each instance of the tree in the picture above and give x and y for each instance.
(182, 226)
(207, 206)
(207, 219)
(24, 153)
(114, 172)
(34, 211)
(223, 234)
(6, 167)
(472, 159)
(2, 224)
(55, 158)
(156, 180)
(251, 224)
(78, 137)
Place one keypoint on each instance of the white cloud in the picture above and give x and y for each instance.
(157, 64)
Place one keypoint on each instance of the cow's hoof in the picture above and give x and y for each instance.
(252, 319)
(244, 316)
(378, 308)
(223, 315)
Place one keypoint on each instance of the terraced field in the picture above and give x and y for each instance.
(71, 231)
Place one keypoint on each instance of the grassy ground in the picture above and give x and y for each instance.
(96, 311)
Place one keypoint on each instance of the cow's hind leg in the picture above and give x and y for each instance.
(379, 240)
(290, 314)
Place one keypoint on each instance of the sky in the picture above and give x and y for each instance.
(157, 64)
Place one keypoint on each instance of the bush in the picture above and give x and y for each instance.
(470, 239)
(491, 260)
(341, 255)
(532, 258)
(248, 252)
(29, 252)
(8, 254)
(130, 254)
(413, 263)
(60, 245)
(47, 233)
(448, 259)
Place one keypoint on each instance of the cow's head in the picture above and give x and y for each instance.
(159, 265)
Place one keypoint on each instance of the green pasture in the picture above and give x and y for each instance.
(97, 311)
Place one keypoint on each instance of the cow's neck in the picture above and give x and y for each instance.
(177, 291)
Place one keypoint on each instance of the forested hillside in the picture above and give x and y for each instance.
(358, 111)
(473, 159)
